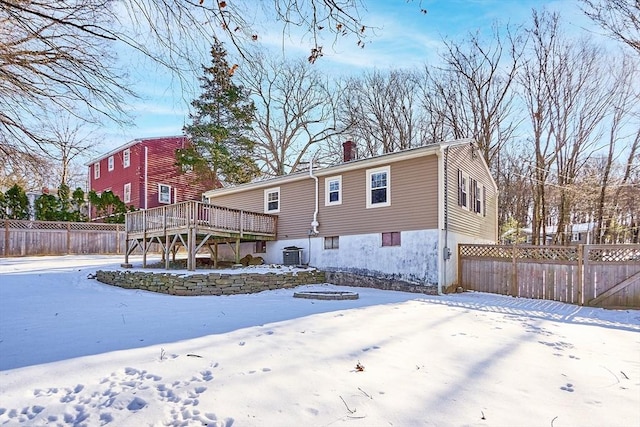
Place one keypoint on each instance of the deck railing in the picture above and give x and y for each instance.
(199, 215)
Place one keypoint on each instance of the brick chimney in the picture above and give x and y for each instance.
(349, 151)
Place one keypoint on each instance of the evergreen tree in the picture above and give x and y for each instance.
(47, 208)
(64, 201)
(65, 207)
(3, 206)
(109, 208)
(78, 204)
(17, 203)
(222, 116)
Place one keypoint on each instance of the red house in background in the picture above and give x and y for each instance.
(143, 173)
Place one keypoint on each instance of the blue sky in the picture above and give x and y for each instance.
(405, 38)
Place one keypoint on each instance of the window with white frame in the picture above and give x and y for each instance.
(127, 193)
(476, 197)
(96, 170)
(164, 193)
(272, 200)
(333, 190)
(462, 189)
(126, 158)
(378, 187)
(110, 163)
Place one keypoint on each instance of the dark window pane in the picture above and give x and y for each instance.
(379, 196)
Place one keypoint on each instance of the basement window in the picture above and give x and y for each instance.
(391, 239)
(332, 242)
(261, 247)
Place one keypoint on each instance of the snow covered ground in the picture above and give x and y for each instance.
(77, 352)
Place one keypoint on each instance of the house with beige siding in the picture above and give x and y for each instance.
(398, 216)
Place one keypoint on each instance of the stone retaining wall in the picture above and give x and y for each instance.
(209, 283)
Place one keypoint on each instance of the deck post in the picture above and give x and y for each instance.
(167, 249)
(144, 239)
(238, 250)
(126, 240)
(215, 254)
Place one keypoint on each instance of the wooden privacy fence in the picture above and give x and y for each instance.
(595, 275)
(25, 238)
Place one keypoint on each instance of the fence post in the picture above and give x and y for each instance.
(118, 239)
(581, 253)
(459, 265)
(6, 237)
(514, 272)
(68, 238)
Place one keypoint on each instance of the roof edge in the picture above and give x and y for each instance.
(342, 167)
(127, 145)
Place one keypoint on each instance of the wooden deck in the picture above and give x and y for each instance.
(194, 226)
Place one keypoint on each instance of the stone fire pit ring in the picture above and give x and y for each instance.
(327, 295)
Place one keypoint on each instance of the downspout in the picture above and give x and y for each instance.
(314, 223)
(446, 252)
(146, 158)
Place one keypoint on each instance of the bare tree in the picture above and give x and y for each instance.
(543, 34)
(383, 109)
(579, 91)
(620, 113)
(479, 76)
(621, 18)
(57, 55)
(295, 111)
(571, 95)
(515, 201)
(64, 141)
(63, 54)
(626, 195)
(26, 169)
(435, 91)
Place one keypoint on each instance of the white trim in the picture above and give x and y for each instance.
(160, 193)
(146, 177)
(370, 172)
(267, 192)
(110, 163)
(126, 193)
(126, 158)
(131, 144)
(327, 190)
